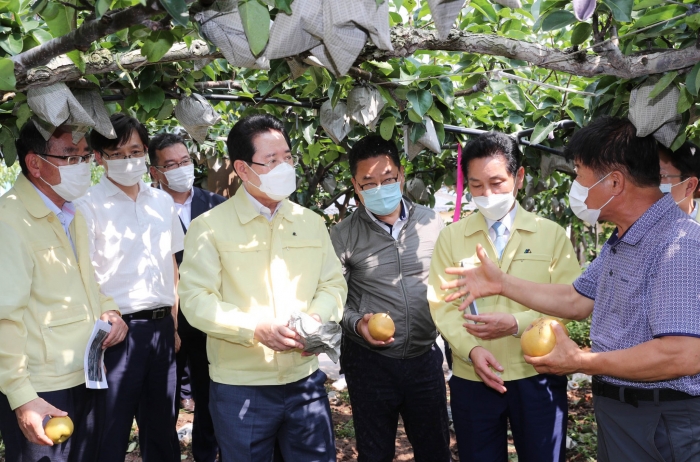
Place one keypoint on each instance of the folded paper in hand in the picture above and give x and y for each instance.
(95, 374)
(318, 337)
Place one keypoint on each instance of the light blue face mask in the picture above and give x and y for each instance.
(382, 200)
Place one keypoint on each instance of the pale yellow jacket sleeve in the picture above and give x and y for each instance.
(448, 319)
(564, 269)
(332, 289)
(15, 287)
(200, 297)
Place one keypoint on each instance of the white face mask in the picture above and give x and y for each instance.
(495, 206)
(75, 180)
(666, 187)
(126, 172)
(279, 183)
(181, 179)
(577, 202)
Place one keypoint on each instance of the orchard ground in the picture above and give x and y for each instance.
(581, 422)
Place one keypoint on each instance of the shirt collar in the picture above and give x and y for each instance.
(644, 223)
(112, 189)
(68, 207)
(187, 202)
(694, 212)
(508, 220)
(403, 216)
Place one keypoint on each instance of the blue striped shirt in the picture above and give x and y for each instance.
(646, 284)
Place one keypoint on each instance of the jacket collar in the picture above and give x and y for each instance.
(524, 220)
(247, 213)
(30, 198)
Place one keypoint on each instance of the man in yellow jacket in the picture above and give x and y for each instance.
(49, 303)
(248, 265)
(492, 384)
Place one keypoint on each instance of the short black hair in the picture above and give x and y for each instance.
(611, 143)
(685, 159)
(30, 140)
(162, 141)
(372, 146)
(492, 144)
(240, 138)
(124, 126)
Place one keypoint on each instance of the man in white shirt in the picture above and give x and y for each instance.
(172, 168)
(135, 233)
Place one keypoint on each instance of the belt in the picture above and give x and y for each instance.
(155, 313)
(630, 395)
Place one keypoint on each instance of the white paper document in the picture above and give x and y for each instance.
(95, 376)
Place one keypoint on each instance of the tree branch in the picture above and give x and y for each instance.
(477, 87)
(406, 41)
(82, 37)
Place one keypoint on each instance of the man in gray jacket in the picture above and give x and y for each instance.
(385, 248)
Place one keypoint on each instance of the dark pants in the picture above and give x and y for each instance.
(536, 408)
(193, 352)
(383, 388)
(80, 404)
(666, 432)
(248, 419)
(141, 379)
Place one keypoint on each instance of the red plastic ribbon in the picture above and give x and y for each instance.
(460, 185)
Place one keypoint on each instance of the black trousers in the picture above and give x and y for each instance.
(193, 353)
(383, 388)
(80, 404)
(142, 382)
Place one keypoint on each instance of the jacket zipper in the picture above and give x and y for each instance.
(405, 298)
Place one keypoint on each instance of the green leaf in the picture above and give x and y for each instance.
(11, 43)
(7, 74)
(656, 15)
(692, 80)
(435, 114)
(256, 24)
(662, 84)
(685, 101)
(543, 128)
(41, 35)
(421, 100)
(101, 7)
(157, 44)
(640, 5)
(177, 9)
(284, 5)
(678, 142)
(580, 33)
(152, 98)
(516, 96)
(7, 143)
(557, 19)
(386, 129)
(486, 9)
(166, 111)
(60, 18)
(414, 117)
(621, 9)
(77, 59)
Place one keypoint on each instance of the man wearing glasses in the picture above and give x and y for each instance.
(384, 248)
(172, 168)
(134, 236)
(50, 302)
(249, 264)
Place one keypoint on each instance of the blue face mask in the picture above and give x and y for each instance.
(382, 200)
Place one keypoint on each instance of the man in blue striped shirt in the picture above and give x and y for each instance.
(643, 291)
